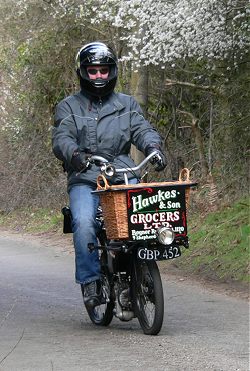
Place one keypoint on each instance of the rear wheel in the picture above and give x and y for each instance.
(148, 296)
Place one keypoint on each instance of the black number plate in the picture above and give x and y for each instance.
(166, 253)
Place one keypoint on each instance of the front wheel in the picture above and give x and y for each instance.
(148, 296)
(102, 315)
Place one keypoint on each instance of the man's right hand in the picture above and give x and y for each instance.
(79, 161)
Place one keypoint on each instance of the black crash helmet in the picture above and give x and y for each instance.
(92, 54)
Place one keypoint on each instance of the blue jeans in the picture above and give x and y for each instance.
(83, 205)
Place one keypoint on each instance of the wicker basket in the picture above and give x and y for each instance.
(114, 202)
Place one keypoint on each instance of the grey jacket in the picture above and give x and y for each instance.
(106, 128)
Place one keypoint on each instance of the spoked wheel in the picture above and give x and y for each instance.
(102, 314)
(148, 296)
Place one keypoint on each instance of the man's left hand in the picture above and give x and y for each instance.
(159, 160)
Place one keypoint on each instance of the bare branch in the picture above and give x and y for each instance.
(190, 85)
(184, 127)
(198, 140)
(194, 120)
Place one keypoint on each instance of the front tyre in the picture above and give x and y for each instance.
(102, 315)
(148, 296)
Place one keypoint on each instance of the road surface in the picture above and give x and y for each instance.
(43, 325)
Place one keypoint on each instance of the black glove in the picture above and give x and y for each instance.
(79, 161)
(159, 160)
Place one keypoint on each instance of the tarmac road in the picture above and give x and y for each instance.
(43, 325)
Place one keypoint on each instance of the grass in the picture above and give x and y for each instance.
(33, 220)
(219, 244)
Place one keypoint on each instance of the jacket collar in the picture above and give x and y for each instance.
(111, 103)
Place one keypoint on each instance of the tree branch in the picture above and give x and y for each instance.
(189, 114)
(190, 85)
(198, 140)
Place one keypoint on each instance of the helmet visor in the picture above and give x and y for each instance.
(95, 72)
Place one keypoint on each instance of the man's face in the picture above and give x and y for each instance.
(98, 72)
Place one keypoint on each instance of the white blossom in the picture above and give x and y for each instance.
(161, 31)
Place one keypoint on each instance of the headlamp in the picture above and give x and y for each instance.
(165, 235)
(108, 170)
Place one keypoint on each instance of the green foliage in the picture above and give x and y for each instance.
(219, 244)
(31, 220)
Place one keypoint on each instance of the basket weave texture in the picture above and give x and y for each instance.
(114, 203)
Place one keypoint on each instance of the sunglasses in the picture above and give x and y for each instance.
(102, 70)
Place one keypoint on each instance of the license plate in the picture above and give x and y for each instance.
(166, 253)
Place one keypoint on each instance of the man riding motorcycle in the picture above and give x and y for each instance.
(97, 120)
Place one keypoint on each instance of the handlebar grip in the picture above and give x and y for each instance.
(101, 178)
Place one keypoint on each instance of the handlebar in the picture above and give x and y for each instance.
(109, 169)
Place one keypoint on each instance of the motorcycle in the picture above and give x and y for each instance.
(140, 224)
